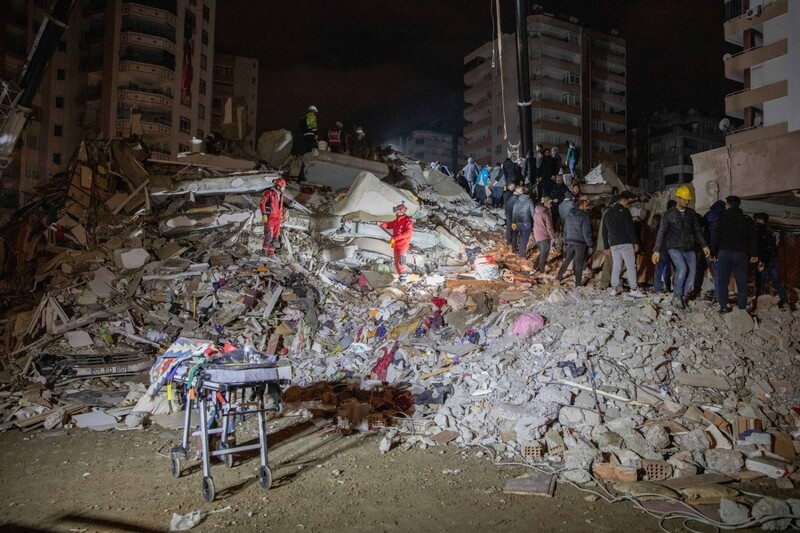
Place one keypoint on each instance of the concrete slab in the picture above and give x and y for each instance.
(339, 171)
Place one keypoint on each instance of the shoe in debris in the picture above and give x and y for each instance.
(678, 302)
(637, 293)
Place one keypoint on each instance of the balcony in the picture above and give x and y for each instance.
(471, 129)
(543, 125)
(477, 145)
(155, 10)
(553, 83)
(604, 56)
(475, 113)
(613, 79)
(614, 118)
(550, 41)
(138, 97)
(157, 73)
(736, 64)
(555, 105)
(156, 29)
(473, 95)
(614, 138)
(756, 133)
(478, 74)
(609, 97)
(536, 63)
(130, 37)
(755, 97)
(736, 26)
(153, 128)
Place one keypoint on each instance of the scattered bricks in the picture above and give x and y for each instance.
(534, 451)
(717, 420)
(617, 474)
(656, 470)
(375, 421)
(421, 426)
(743, 424)
(724, 461)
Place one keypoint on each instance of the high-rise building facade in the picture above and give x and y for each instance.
(123, 67)
(235, 77)
(670, 140)
(433, 146)
(578, 93)
(761, 161)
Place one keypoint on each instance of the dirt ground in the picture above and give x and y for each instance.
(78, 480)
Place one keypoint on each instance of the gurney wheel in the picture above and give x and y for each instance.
(228, 457)
(265, 477)
(176, 466)
(208, 489)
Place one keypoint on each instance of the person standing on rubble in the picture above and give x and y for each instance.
(402, 228)
(680, 232)
(735, 246)
(768, 262)
(471, 170)
(622, 244)
(558, 192)
(543, 232)
(498, 181)
(509, 210)
(309, 128)
(511, 171)
(572, 159)
(578, 239)
(360, 145)
(481, 184)
(272, 214)
(336, 142)
(522, 218)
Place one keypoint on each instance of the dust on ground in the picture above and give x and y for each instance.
(77, 480)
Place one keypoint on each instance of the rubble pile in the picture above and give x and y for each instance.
(600, 388)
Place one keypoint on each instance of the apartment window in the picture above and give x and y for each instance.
(33, 142)
(203, 62)
(201, 111)
(183, 148)
(572, 79)
(202, 86)
(57, 159)
(571, 99)
(498, 149)
(61, 74)
(185, 125)
(62, 46)
(58, 130)
(204, 38)
(419, 141)
(206, 13)
(59, 102)
(672, 179)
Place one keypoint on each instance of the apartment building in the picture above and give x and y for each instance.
(578, 93)
(670, 139)
(429, 146)
(235, 77)
(123, 67)
(761, 160)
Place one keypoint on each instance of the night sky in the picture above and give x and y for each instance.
(392, 66)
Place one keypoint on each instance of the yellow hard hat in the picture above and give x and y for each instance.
(684, 192)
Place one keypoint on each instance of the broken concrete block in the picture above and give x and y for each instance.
(724, 461)
(610, 442)
(710, 493)
(694, 441)
(733, 513)
(635, 442)
(769, 467)
(130, 258)
(769, 507)
(739, 322)
(578, 463)
(657, 436)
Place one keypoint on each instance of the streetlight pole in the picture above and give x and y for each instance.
(523, 82)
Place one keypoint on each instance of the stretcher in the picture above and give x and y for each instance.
(222, 390)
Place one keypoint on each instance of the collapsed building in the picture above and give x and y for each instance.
(122, 256)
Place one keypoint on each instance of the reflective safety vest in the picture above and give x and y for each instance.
(334, 137)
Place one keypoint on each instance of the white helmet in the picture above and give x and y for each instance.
(312, 108)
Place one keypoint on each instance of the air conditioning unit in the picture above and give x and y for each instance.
(754, 12)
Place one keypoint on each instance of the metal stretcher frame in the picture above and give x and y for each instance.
(220, 389)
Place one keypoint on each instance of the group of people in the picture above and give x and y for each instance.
(355, 143)
(727, 242)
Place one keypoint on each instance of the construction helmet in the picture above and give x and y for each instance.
(312, 108)
(280, 182)
(684, 192)
(400, 208)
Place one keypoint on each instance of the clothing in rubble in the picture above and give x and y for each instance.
(272, 214)
(402, 229)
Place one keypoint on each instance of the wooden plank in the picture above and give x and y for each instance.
(678, 483)
(477, 283)
(534, 484)
(435, 372)
(699, 380)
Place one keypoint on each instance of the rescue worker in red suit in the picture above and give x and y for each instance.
(272, 214)
(402, 227)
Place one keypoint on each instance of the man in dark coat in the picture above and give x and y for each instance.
(735, 246)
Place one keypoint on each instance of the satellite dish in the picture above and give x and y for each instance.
(726, 57)
(724, 124)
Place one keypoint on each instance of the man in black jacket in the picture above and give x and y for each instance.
(578, 238)
(680, 232)
(768, 266)
(621, 243)
(733, 244)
